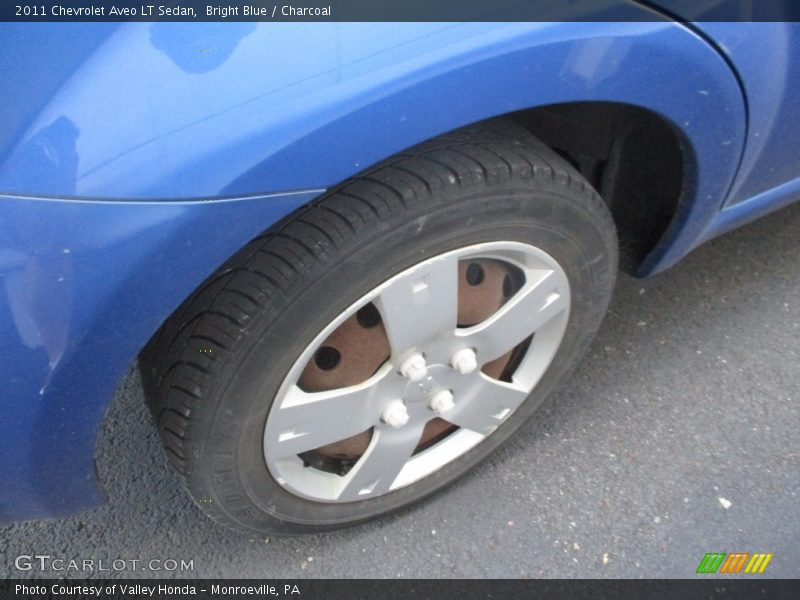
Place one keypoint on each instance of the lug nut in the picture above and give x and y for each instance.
(395, 414)
(464, 361)
(442, 401)
(414, 367)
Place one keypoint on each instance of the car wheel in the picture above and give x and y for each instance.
(371, 348)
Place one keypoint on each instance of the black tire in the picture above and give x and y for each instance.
(212, 370)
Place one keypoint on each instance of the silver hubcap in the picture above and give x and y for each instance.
(435, 370)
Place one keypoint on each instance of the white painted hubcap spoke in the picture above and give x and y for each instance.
(386, 456)
(420, 304)
(541, 299)
(307, 421)
(491, 402)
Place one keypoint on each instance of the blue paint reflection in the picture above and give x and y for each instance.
(199, 48)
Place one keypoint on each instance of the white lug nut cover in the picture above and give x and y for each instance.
(395, 414)
(442, 401)
(414, 367)
(464, 361)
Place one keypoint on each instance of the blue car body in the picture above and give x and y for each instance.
(136, 158)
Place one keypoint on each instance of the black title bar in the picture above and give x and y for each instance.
(407, 589)
(397, 10)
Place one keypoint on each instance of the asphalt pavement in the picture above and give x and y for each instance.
(678, 436)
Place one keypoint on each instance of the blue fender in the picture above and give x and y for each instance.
(167, 146)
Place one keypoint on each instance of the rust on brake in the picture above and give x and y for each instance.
(359, 346)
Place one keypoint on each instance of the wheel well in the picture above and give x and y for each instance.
(633, 157)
